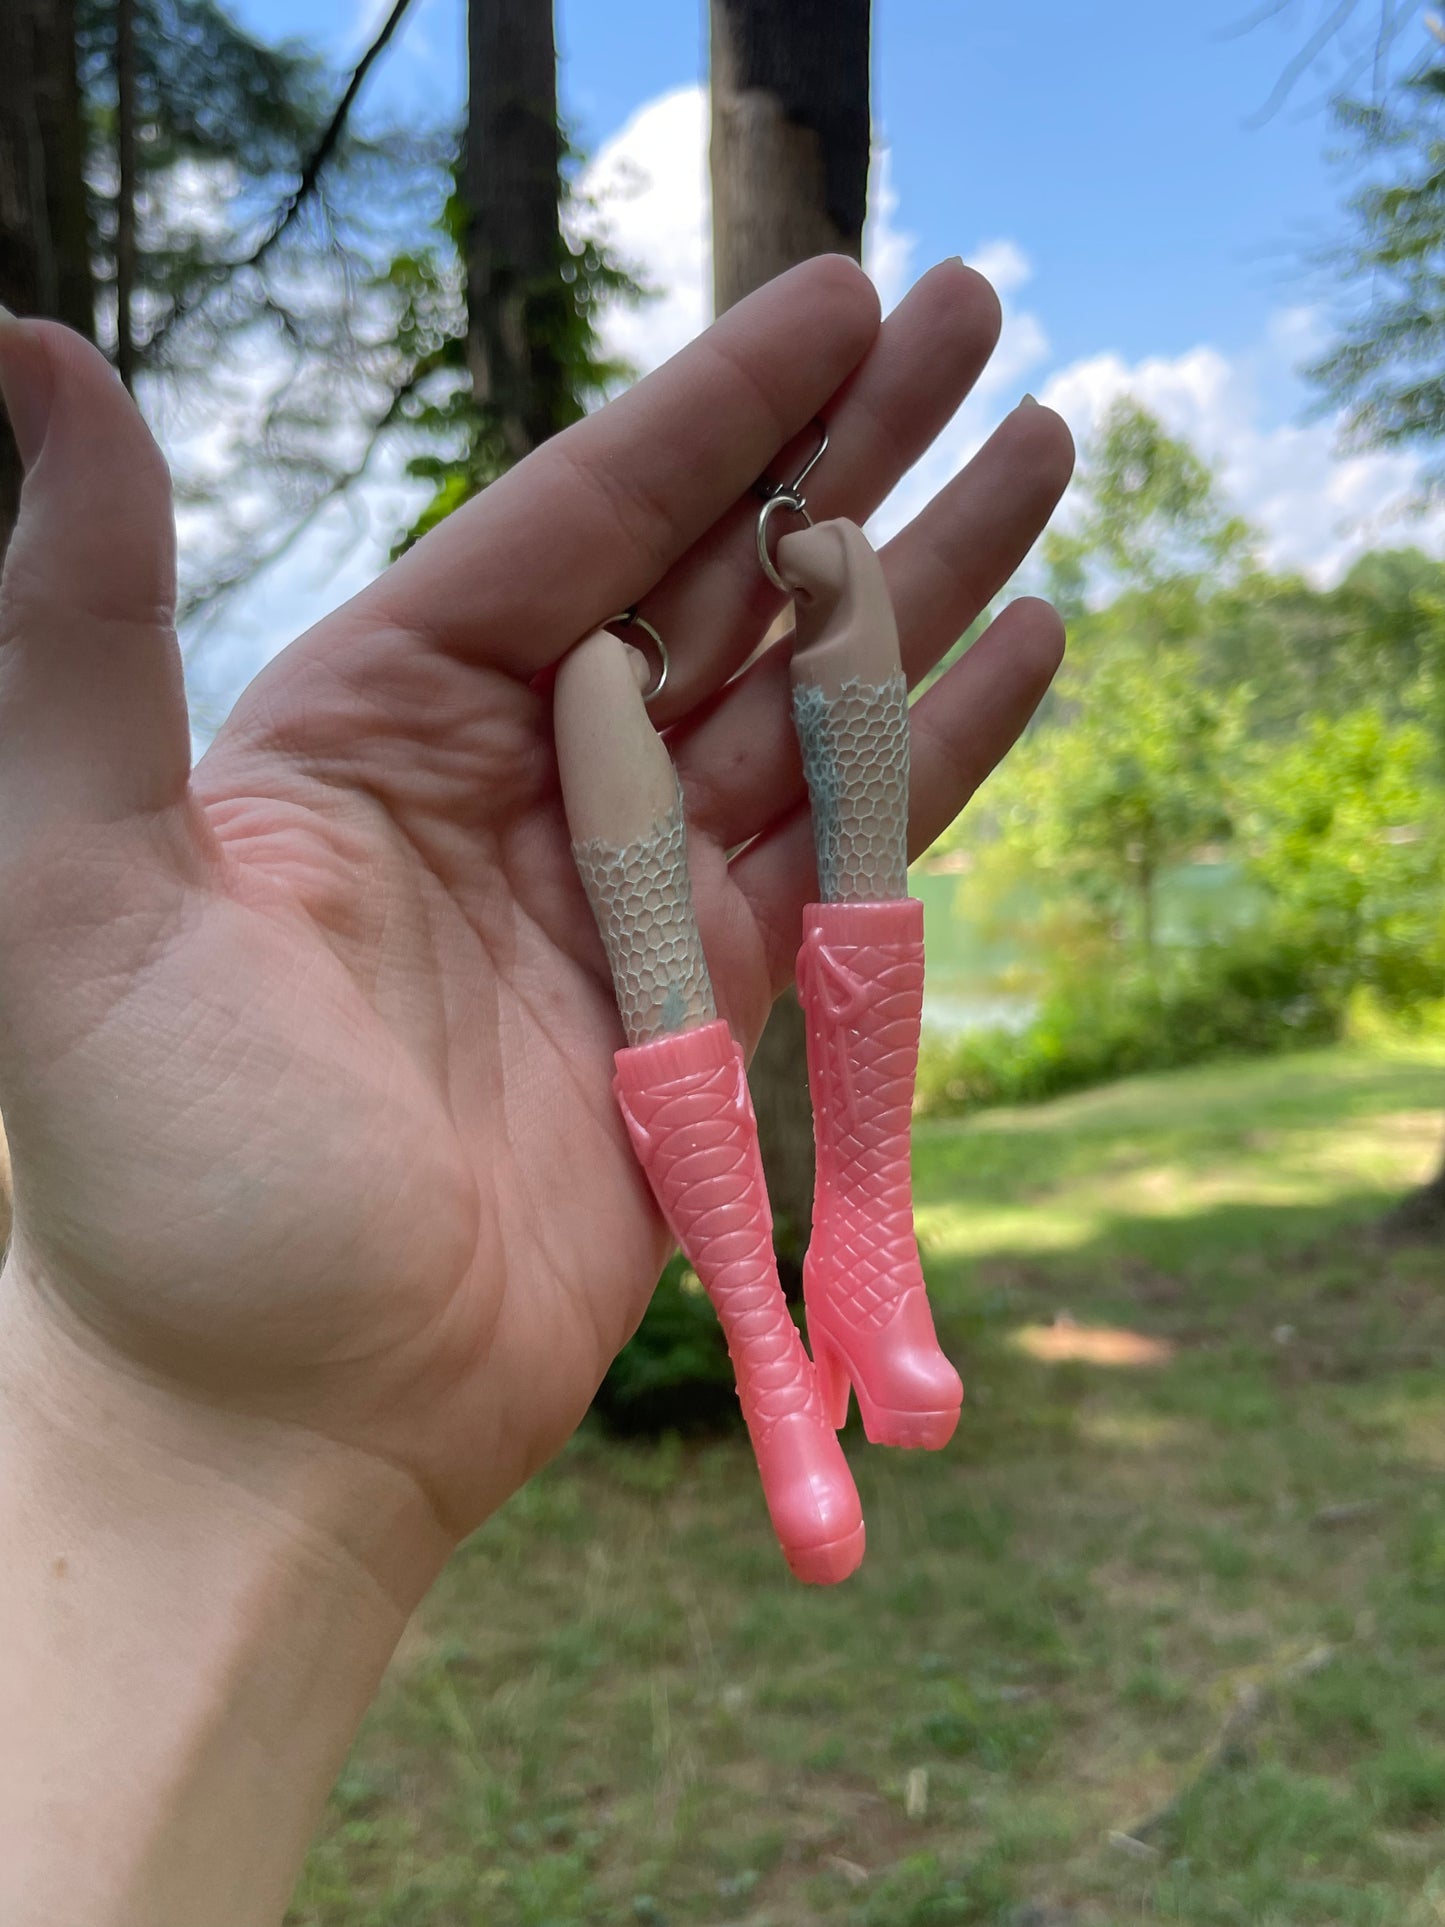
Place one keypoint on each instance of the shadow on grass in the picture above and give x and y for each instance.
(618, 1710)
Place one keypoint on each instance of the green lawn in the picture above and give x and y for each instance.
(1161, 1637)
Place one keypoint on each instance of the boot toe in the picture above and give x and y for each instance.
(812, 1500)
(919, 1404)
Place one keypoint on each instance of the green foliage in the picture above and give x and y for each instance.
(308, 270)
(262, 309)
(1255, 995)
(468, 450)
(1346, 831)
(1128, 777)
(1306, 651)
(1149, 513)
(675, 1374)
(1301, 730)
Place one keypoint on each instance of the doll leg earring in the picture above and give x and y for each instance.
(682, 1089)
(860, 981)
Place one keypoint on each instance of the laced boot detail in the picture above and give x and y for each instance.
(860, 979)
(689, 1113)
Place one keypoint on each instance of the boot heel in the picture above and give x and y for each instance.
(833, 1381)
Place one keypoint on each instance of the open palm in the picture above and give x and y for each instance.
(305, 1055)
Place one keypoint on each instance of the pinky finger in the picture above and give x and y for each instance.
(961, 729)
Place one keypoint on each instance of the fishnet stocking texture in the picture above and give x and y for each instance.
(855, 758)
(642, 899)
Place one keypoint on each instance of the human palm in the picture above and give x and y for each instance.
(305, 1056)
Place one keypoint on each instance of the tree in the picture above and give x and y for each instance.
(789, 165)
(1128, 771)
(511, 180)
(242, 223)
(1345, 829)
(1387, 367)
(1127, 788)
(44, 247)
(514, 263)
(1150, 516)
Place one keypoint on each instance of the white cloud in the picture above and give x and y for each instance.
(887, 250)
(1316, 508)
(648, 191)
(648, 196)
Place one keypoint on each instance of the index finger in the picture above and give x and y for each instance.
(590, 520)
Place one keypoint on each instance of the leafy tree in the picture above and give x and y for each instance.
(1149, 514)
(1128, 780)
(1346, 831)
(1307, 651)
(286, 285)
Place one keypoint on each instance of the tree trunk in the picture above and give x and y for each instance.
(790, 139)
(511, 169)
(44, 247)
(1147, 876)
(1420, 1214)
(125, 153)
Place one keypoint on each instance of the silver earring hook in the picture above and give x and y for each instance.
(631, 619)
(785, 495)
(784, 499)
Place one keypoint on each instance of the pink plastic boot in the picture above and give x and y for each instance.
(860, 979)
(690, 1116)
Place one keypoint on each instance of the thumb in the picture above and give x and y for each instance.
(92, 705)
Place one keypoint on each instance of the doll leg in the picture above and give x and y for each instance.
(683, 1092)
(860, 979)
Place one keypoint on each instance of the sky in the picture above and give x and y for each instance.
(1149, 213)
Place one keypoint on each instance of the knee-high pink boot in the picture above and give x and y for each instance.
(860, 979)
(688, 1111)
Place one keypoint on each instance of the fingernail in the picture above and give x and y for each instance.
(1029, 401)
(24, 386)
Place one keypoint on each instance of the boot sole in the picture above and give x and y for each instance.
(826, 1565)
(913, 1431)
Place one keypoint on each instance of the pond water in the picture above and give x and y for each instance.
(974, 973)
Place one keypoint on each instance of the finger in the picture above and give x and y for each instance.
(960, 730)
(92, 706)
(739, 765)
(715, 604)
(590, 521)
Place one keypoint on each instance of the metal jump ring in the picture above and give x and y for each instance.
(631, 619)
(784, 499)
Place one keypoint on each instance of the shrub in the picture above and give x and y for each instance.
(1257, 994)
(674, 1374)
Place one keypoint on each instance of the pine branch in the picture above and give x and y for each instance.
(204, 602)
(304, 190)
(332, 133)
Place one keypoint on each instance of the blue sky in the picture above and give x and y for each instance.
(1112, 142)
(1150, 230)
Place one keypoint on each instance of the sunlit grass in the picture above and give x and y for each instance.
(1199, 1469)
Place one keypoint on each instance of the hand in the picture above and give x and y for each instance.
(305, 1056)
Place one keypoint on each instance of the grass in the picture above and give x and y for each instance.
(1160, 1639)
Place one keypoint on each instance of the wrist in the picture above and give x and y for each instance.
(199, 1604)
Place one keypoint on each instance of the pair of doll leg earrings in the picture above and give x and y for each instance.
(681, 1083)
